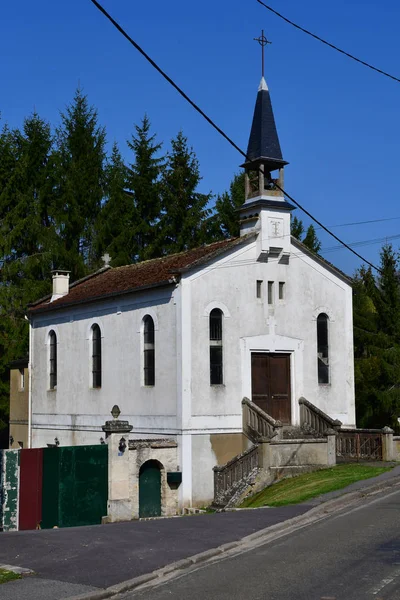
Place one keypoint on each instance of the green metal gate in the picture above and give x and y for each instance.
(75, 486)
(150, 489)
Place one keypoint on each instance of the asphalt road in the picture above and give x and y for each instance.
(354, 555)
(103, 555)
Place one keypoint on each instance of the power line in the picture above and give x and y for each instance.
(361, 222)
(362, 62)
(359, 244)
(327, 230)
(215, 126)
(164, 74)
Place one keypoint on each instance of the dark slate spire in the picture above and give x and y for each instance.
(263, 141)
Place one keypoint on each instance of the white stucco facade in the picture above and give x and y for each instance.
(204, 419)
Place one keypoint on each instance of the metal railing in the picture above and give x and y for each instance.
(256, 423)
(315, 418)
(227, 477)
(364, 444)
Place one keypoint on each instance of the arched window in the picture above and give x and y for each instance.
(148, 345)
(323, 348)
(216, 375)
(96, 356)
(53, 360)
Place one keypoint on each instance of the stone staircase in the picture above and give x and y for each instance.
(303, 432)
(277, 452)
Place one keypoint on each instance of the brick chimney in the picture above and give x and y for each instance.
(60, 284)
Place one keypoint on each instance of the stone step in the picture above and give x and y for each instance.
(294, 432)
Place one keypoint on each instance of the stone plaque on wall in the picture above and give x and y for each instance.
(275, 228)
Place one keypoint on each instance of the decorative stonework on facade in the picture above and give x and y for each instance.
(166, 455)
(126, 459)
(117, 435)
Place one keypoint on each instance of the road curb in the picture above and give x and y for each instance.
(17, 570)
(257, 538)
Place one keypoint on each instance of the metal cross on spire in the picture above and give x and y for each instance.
(262, 40)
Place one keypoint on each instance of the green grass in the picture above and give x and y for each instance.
(6, 576)
(303, 487)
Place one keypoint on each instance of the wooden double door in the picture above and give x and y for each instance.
(270, 381)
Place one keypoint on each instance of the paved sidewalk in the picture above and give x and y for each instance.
(70, 561)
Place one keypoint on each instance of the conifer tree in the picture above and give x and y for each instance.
(143, 181)
(296, 228)
(9, 154)
(184, 210)
(80, 184)
(388, 300)
(27, 235)
(311, 240)
(376, 344)
(116, 225)
(227, 205)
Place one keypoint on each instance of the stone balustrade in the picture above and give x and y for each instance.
(315, 418)
(257, 424)
(227, 477)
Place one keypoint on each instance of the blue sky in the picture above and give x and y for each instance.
(338, 122)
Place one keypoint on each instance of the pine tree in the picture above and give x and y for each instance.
(376, 344)
(115, 227)
(227, 215)
(388, 301)
(183, 223)
(296, 228)
(80, 184)
(9, 155)
(311, 241)
(143, 181)
(27, 235)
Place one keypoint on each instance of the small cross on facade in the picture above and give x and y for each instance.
(106, 258)
(271, 321)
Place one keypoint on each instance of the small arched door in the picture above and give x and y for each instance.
(150, 489)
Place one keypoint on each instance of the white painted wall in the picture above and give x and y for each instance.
(250, 324)
(286, 326)
(75, 412)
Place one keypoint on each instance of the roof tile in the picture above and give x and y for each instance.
(120, 280)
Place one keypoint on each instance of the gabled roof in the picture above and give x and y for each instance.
(110, 282)
(263, 141)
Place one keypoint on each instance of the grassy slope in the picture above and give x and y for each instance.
(302, 488)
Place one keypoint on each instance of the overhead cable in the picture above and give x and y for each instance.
(215, 126)
(362, 222)
(326, 229)
(362, 62)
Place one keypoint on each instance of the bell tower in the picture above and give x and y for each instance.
(265, 209)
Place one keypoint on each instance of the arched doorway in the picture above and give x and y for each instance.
(150, 489)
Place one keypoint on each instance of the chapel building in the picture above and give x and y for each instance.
(177, 342)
